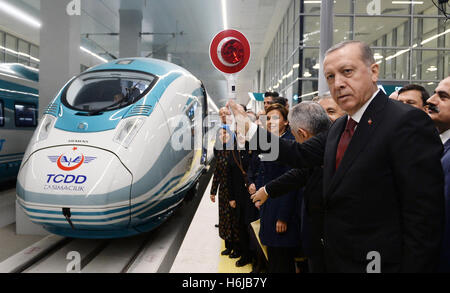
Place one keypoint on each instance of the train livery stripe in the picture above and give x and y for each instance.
(97, 221)
(136, 208)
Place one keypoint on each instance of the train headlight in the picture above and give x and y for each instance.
(45, 126)
(127, 130)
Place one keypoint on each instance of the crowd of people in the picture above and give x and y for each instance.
(361, 182)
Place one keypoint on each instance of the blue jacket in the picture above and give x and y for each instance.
(285, 208)
(444, 265)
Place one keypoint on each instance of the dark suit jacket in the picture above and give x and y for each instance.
(245, 209)
(285, 208)
(444, 265)
(387, 194)
(312, 217)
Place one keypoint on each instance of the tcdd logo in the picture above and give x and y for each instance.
(67, 163)
(59, 178)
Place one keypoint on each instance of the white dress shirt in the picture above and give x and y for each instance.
(445, 136)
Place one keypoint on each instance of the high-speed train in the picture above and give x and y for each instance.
(18, 116)
(117, 150)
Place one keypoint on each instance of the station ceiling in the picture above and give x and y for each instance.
(184, 29)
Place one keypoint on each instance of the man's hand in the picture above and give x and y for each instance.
(242, 120)
(260, 197)
(213, 197)
(252, 188)
(281, 227)
(233, 204)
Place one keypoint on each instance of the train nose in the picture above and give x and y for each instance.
(92, 183)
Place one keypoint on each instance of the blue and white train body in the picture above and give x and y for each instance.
(105, 160)
(18, 115)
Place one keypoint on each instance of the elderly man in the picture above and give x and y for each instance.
(383, 195)
(439, 111)
(306, 120)
(414, 95)
(330, 106)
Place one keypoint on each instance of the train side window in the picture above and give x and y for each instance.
(2, 114)
(25, 115)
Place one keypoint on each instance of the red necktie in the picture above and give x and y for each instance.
(345, 140)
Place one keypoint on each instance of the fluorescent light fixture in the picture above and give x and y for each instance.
(310, 94)
(432, 68)
(224, 14)
(93, 54)
(380, 61)
(430, 83)
(401, 52)
(317, 66)
(296, 66)
(19, 53)
(435, 37)
(377, 56)
(290, 73)
(407, 2)
(307, 74)
(19, 14)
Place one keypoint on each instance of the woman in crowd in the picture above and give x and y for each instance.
(280, 217)
(228, 222)
(238, 162)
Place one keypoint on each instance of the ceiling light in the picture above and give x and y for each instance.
(432, 68)
(307, 74)
(314, 2)
(398, 54)
(290, 73)
(19, 14)
(94, 55)
(317, 66)
(19, 53)
(434, 37)
(296, 66)
(310, 94)
(377, 56)
(407, 2)
(224, 14)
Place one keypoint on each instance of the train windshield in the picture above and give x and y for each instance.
(107, 90)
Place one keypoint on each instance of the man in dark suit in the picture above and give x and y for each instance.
(383, 195)
(306, 119)
(439, 111)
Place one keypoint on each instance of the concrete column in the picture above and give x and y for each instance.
(130, 33)
(326, 39)
(59, 61)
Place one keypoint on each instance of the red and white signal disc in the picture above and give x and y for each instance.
(230, 51)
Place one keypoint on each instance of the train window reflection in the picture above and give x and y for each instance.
(25, 115)
(107, 90)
